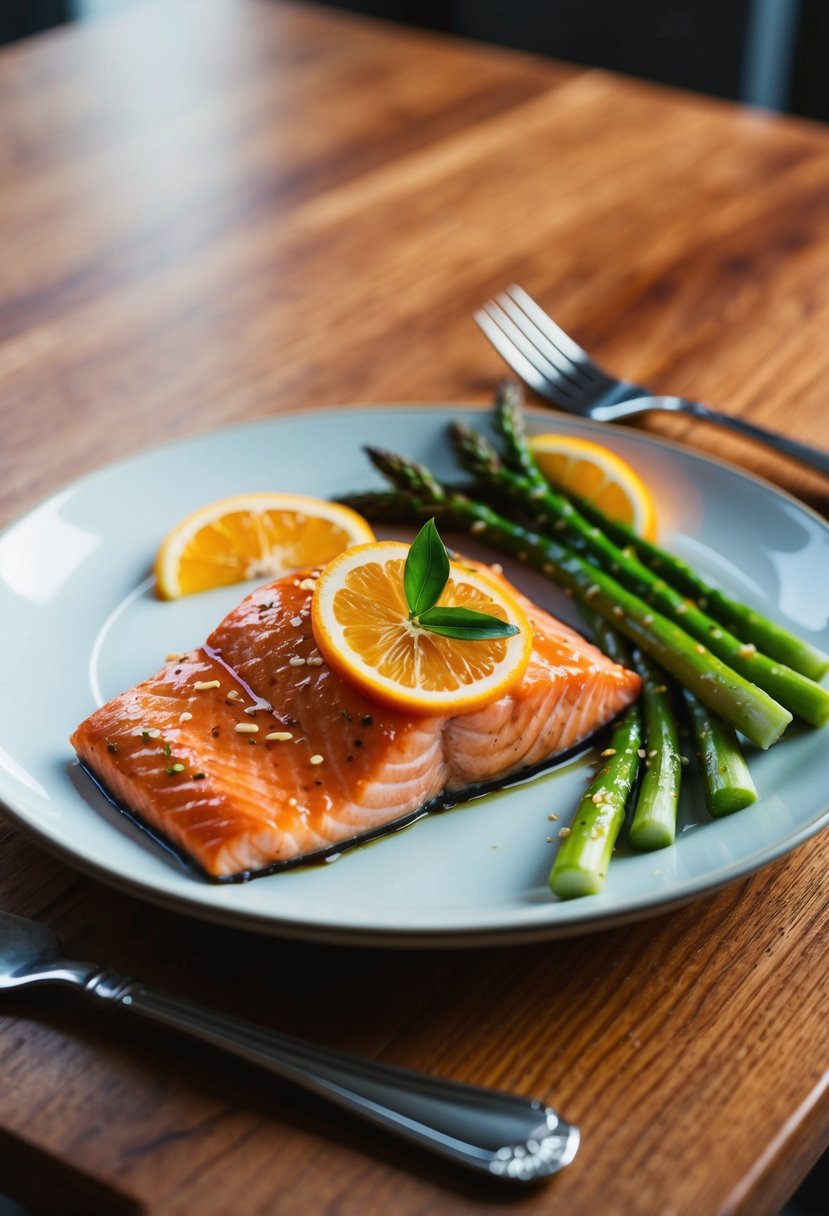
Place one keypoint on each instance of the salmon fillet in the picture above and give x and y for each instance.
(191, 750)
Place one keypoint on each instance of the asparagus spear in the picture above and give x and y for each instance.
(657, 799)
(768, 636)
(580, 867)
(653, 825)
(748, 708)
(530, 492)
(726, 780)
(654, 817)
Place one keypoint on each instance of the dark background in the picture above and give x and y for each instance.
(766, 52)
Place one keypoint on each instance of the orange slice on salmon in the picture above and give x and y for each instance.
(362, 627)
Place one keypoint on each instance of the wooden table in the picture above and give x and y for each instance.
(218, 211)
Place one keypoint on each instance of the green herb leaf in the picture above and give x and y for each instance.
(426, 571)
(465, 624)
(424, 578)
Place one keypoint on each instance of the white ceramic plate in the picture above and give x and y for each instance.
(81, 623)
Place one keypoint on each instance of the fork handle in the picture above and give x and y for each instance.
(803, 452)
(497, 1133)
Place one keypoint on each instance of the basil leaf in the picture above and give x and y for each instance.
(465, 624)
(427, 570)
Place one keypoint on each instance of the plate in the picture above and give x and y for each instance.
(81, 623)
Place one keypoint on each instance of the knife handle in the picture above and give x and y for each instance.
(497, 1133)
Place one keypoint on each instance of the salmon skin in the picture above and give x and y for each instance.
(246, 760)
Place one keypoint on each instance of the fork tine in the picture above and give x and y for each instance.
(575, 372)
(553, 332)
(511, 355)
(553, 380)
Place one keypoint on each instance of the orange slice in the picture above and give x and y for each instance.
(361, 625)
(253, 536)
(592, 471)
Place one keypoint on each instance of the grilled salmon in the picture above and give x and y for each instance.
(249, 753)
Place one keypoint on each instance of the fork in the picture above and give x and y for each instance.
(549, 361)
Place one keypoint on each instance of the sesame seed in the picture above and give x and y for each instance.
(609, 751)
(684, 760)
(497, 568)
(550, 840)
(652, 752)
(552, 815)
(477, 527)
(296, 661)
(280, 736)
(681, 609)
(307, 584)
(318, 759)
(660, 688)
(563, 833)
(560, 525)
(597, 797)
(641, 753)
(296, 621)
(203, 685)
(591, 592)
(699, 648)
(618, 611)
(315, 661)
(185, 717)
(172, 657)
(246, 728)
(746, 651)
(548, 568)
(715, 633)
(151, 733)
(233, 695)
(647, 619)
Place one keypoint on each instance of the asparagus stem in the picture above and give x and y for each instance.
(726, 780)
(653, 825)
(749, 709)
(654, 817)
(768, 636)
(552, 511)
(580, 867)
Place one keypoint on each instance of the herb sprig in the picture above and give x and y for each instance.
(425, 575)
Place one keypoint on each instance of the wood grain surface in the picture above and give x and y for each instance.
(217, 211)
